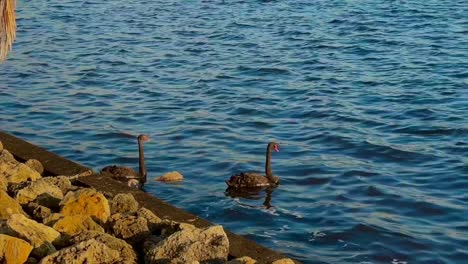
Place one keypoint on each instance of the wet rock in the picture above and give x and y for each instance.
(62, 182)
(38, 235)
(17, 172)
(90, 251)
(8, 206)
(131, 228)
(283, 261)
(242, 260)
(70, 225)
(173, 176)
(37, 212)
(86, 202)
(35, 165)
(208, 245)
(13, 250)
(123, 203)
(42, 192)
(152, 219)
(127, 254)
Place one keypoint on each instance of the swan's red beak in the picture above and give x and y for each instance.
(276, 148)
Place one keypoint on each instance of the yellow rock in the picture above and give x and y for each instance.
(90, 251)
(13, 250)
(3, 183)
(242, 260)
(8, 206)
(6, 156)
(74, 224)
(283, 261)
(173, 176)
(51, 194)
(17, 172)
(86, 202)
(38, 235)
(35, 165)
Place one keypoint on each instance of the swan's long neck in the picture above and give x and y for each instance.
(268, 172)
(142, 162)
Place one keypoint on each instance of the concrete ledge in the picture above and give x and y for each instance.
(56, 165)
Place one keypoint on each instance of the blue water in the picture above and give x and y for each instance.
(369, 100)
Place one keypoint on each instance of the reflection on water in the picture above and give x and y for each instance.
(252, 194)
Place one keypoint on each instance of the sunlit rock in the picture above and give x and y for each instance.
(86, 202)
(38, 235)
(173, 176)
(242, 260)
(13, 250)
(62, 182)
(8, 206)
(42, 192)
(17, 172)
(283, 261)
(123, 203)
(127, 254)
(35, 165)
(152, 219)
(90, 251)
(71, 225)
(204, 245)
(131, 228)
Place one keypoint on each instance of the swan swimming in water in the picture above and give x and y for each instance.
(129, 175)
(253, 179)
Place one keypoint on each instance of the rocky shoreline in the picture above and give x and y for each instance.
(55, 220)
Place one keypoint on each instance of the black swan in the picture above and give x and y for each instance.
(253, 179)
(129, 175)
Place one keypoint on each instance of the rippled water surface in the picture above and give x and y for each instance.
(369, 100)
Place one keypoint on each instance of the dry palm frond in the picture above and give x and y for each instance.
(7, 27)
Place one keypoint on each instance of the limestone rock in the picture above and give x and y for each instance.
(1, 146)
(74, 224)
(152, 219)
(127, 254)
(86, 202)
(205, 245)
(38, 212)
(62, 182)
(17, 172)
(283, 261)
(242, 260)
(132, 229)
(8, 206)
(3, 183)
(123, 203)
(173, 176)
(13, 250)
(90, 251)
(168, 227)
(35, 165)
(38, 235)
(52, 219)
(42, 192)
(6, 156)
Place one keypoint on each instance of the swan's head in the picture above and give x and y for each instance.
(273, 146)
(143, 138)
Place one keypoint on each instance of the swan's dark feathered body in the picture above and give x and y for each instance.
(253, 179)
(129, 175)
